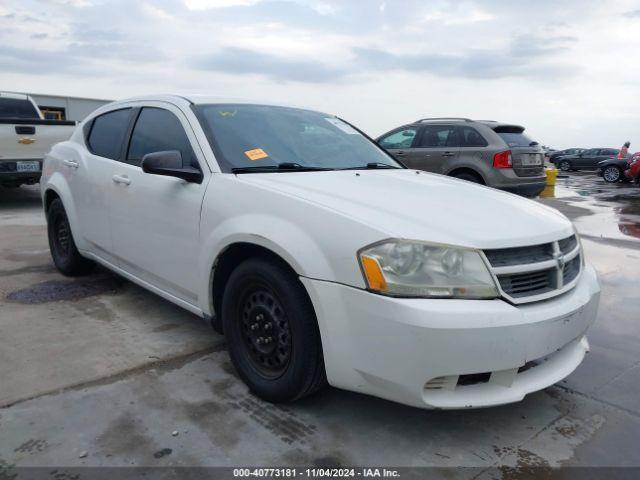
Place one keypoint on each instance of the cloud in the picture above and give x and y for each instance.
(208, 4)
(633, 14)
(245, 61)
(519, 59)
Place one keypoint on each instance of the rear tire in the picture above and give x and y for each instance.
(565, 166)
(469, 177)
(65, 255)
(272, 331)
(612, 174)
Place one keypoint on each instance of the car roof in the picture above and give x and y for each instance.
(203, 99)
(461, 120)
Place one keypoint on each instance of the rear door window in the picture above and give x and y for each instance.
(400, 139)
(434, 136)
(108, 132)
(159, 130)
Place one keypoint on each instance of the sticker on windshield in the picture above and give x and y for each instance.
(256, 154)
(346, 128)
(225, 113)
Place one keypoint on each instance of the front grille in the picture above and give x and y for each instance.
(503, 257)
(567, 245)
(473, 379)
(571, 269)
(530, 283)
(536, 272)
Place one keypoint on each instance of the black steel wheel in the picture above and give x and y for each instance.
(265, 329)
(272, 331)
(65, 255)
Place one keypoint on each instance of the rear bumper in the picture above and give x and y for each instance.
(9, 174)
(506, 179)
(414, 351)
(528, 189)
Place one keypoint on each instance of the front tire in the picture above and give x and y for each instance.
(611, 174)
(65, 255)
(272, 332)
(469, 177)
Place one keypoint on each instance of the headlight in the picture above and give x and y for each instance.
(407, 268)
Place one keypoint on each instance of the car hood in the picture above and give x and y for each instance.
(422, 206)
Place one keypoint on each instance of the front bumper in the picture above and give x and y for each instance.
(401, 349)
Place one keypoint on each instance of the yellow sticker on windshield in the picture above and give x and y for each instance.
(256, 154)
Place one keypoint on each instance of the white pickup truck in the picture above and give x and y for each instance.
(25, 137)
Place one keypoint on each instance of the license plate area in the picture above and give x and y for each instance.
(27, 166)
(531, 159)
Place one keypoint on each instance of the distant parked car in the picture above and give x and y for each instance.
(633, 168)
(567, 151)
(587, 160)
(495, 154)
(612, 169)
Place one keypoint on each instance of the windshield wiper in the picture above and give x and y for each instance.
(281, 167)
(373, 166)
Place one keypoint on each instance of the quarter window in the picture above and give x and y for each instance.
(469, 137)
(400, 139)
(159, 130)
(108, 132)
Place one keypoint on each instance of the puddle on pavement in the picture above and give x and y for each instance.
(58, 290)
(606, 211)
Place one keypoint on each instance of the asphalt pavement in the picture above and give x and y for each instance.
(97, 372)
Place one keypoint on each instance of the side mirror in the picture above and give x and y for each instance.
(169, 163)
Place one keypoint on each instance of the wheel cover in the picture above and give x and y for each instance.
(265, 331)
(612, 174)
(565, 166)
(62, 236)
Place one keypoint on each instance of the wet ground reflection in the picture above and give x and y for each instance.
(599, 210)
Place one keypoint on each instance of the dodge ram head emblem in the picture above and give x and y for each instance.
(559, 258)
(26, 141)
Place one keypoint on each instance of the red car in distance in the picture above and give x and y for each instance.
(633, 172)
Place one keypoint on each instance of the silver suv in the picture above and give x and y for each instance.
(495, 154)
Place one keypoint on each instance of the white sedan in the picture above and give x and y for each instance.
(319, 256)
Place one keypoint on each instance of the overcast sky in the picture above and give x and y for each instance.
(567, 70)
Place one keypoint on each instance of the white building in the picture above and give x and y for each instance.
(58, 107)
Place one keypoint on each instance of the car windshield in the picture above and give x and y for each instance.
(265, 138)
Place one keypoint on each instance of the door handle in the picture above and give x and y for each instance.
(70, 163)
(448, 154)
(123, 179)
(400, 153)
